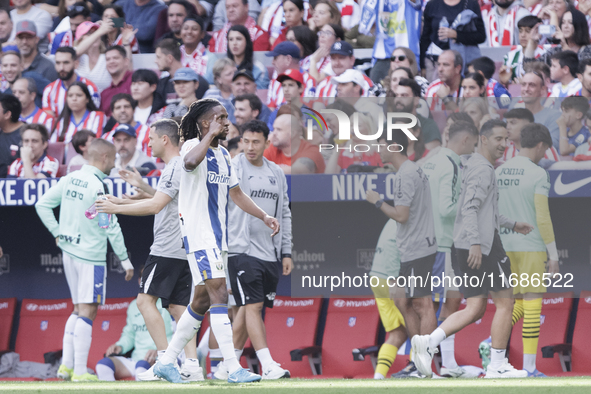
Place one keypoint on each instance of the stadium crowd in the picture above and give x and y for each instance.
(69, 79)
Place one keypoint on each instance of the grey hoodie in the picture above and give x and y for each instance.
(478, 209)
(238, 230)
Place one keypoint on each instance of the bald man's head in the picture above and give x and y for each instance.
(101, 154)
(281, 135)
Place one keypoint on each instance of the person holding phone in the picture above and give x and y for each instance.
(572, 31)
(116, 36)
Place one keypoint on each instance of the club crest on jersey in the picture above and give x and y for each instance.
(272, 180)
(213, 177)
(105, 325)
(44, 325)
(290, 321)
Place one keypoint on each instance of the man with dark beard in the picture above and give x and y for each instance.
(501, 22)
(54, 95)
(408, 93)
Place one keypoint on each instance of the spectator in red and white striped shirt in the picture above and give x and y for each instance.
(118, 36)
(193, 52)
(517, 119)
(447, 88)
(79, 113)
(283, 15)
(122, 109)
(25, 89)
(286, 56)
(237, 14)
(34, 161)
(54, 95)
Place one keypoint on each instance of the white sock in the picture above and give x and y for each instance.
(160, 354)
(105, 372)
(82, 341)
(215, 357)
(529, 362)
(436, 338)
(448, 359)
(222, 329)
(68, 342)
(265, 357)
(497, 357)
(238, 353)
(378, 376)
(186, 329)
(192, 362)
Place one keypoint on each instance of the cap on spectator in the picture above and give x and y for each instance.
(85, 28)
(341, 48)
(10, 48)
(185, 74)
(243, 73)
(26, 27)
(285, 48)
(351, 75)
(290, 73)
(125, 128)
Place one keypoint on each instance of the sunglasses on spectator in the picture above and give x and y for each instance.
(77, 8)
(399, 58)
(325, 33)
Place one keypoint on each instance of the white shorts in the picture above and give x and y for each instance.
(87, 282)
(207, 264)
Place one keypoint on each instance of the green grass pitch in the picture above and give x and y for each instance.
(573, 385)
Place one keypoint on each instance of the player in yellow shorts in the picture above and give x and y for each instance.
(386, 263)
(523, 195)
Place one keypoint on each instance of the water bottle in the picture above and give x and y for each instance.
(91, 212)
(444, 23)
(103, 218)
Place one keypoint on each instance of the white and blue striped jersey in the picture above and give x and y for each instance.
(403, 27)
(203, 199)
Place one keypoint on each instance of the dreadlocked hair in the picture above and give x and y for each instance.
(190, 123)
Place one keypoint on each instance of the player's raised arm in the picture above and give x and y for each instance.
(216, 127)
